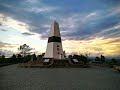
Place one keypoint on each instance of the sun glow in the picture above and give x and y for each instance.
(97, 46)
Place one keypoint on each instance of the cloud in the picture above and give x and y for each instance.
(85, 25)
(41, 9)
(80, 26)
(25, 33)
(114, 41)
(91, 25)
(113, 31)
(32, 1)
(114, 11)
(6, 5)
(8, 45)
(38, 6)
(10, 22)
(96, 46)
(3, 30)
(71, 26)
(16, 25)
(7, 53)
(90, 16)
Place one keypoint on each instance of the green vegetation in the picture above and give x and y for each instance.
(14, 59)
(113, 62)
(22, 57)
(25, 56)
(82, 58)
(100, 59)
(25, 50)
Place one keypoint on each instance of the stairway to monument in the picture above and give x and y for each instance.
(60, 63)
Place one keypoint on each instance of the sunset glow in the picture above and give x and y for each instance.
(94, 29)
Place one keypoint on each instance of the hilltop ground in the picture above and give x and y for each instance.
(94, 78)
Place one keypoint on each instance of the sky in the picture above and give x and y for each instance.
(86, 26)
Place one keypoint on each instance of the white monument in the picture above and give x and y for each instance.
(54, 46)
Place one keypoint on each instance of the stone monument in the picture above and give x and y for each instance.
(54, 46)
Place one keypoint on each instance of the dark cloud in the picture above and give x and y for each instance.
(92, 28)
(37, 15)
(4, 30)
(7, 53)
(26, 33)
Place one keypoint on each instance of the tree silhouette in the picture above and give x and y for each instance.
(19, 58)
(43, 54)
(102, 58)
(2, 59)
(24, 50)
(113, 61)
(82, 58)
(34, 57)
(97, 59)
(70, 57)
(27, 58)
(13, 59)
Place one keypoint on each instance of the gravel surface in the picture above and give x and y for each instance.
(94, 78)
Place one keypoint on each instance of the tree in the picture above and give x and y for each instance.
(19, 58)
(83, 59)
(43, 54)
(24, 50)
(70, 57)
(75, 56)
(2, 59)
(113, 61)
(13, 59)
(97, 59)
(34, 57)
(102, 58)
(27, 58)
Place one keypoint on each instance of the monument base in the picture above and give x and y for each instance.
(53, 63)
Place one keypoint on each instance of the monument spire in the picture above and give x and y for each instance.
(54, 30)
(54, 45)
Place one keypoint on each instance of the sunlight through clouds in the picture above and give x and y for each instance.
(85, 25)
(97, 46)
(10, 22)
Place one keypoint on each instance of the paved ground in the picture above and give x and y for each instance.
(94, 78)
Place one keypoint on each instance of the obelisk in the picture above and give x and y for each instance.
(54, 46)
